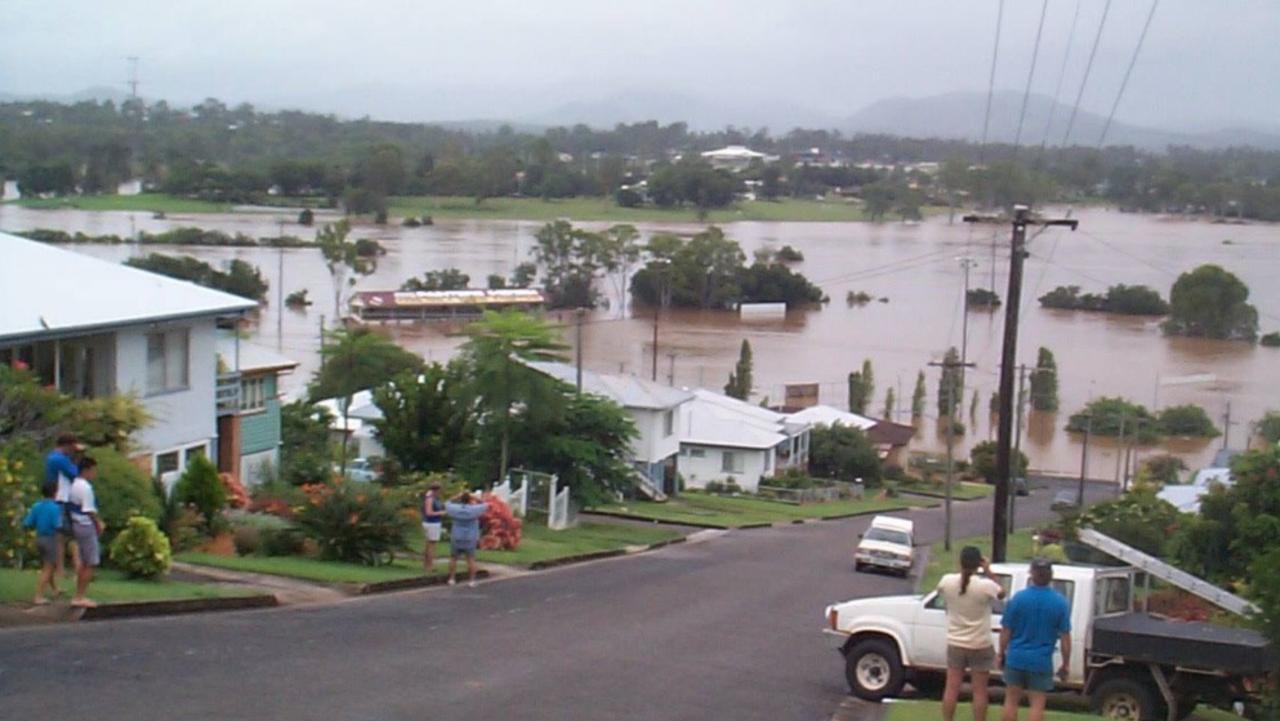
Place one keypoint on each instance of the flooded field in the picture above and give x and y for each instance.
(915, 268)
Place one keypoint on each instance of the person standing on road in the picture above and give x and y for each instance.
(1036, 619)
(60, 470)
(465, 510)
(87, 527)
(970, 599)
(432, 525)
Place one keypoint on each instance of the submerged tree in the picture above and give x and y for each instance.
(740, 379)
(861, 388)
(918, 396)
(889, 402)
(342, 261)
(950, 385)
(1044, 382)
(1211, 302)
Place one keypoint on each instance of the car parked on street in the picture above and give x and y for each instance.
(888, 544)
(361, 469)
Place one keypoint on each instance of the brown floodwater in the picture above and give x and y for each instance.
(914, 268)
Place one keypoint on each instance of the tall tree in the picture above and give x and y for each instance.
(889, 402)
(950, 390)
(1212, 303)
(1044, 382)
(426, 421)
(359, 359)
(620, 251)
(918, 396)
(570, 258)
(861, 388)
(496, 352)
(740, 380)
(342, 261)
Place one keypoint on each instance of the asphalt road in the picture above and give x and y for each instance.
(726, 628)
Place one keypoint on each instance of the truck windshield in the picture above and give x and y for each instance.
(887, 536)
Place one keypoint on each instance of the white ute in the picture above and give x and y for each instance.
(889, 543)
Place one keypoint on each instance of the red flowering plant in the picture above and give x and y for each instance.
(500, 528)
(353, 522)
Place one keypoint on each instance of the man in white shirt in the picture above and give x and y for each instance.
(86, 527)
(970, 600)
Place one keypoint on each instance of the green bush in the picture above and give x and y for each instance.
(122, 491)
(247, 540)
(141, 550)
(287, 541)
(1186, 420)
(354, 522)
(1138, 519)
(1270, 340)
(201, 487)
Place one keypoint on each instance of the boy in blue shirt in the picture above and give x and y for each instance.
(46, 518)
(1035, 620)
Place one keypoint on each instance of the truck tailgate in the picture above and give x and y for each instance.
(1191, 644)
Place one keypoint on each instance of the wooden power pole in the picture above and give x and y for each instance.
(1008, 362)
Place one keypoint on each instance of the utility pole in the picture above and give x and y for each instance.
(322, 341)
(1084, 460)
(965, 263)
(1008, 359)
(1119, 453)
(578, 315)
(655, 344)
(1226, 427)
(948, 389)
(671, 368)
(280, 290)
(132, 82)
(1017, 438)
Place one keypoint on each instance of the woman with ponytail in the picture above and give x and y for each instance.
(970, 596)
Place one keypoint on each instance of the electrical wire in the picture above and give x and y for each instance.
(1062, 75)
(1031, 73)
(1084, 82)
(1128, 71)
(991, 85)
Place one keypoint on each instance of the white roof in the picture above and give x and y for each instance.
(362, 411)
(733, 151)
(1186, 498)
(895, 524)
(45, 290)
(252, 357)
(828, 416)
(626, 391)
(714, 419)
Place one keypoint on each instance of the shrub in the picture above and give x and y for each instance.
(502, 530)
(186, 530)
(201, 487)
(983, 460)
(16, 493)
(247, 540)
(354, 522)
(1138, 519)
(1186, 420)
(141, 549)
(1271, 340)
(122, 491)
(287, 541)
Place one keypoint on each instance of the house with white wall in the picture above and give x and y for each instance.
(93, 328)
(727, 439)
(358, 427)
(655, 410)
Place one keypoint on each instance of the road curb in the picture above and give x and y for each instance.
(658, 521)
(141, 609)
(845, 516)
(855, 709)
(596, 555)
(403, 584)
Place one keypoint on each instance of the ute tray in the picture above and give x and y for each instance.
(1189, 644)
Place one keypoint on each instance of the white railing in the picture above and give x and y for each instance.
(517, 499)
(558, 506)
(647, 487)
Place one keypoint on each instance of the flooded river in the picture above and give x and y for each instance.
(915, 268)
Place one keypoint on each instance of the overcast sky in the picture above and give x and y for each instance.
(1204, 64)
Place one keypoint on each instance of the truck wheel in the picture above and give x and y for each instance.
(1128, 699)
(873, 669)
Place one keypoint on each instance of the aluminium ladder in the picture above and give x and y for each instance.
(1163, 571)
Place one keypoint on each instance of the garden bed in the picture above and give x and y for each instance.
(711, 511)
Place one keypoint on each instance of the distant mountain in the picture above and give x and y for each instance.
(960, 115)
(96, 93)
(700, 113)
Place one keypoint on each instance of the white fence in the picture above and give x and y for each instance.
(558, 507)
(517, 499)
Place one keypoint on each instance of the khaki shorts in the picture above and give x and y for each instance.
(973, 659)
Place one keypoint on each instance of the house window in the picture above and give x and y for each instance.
(697, 453)
(253, 394)
(668, 424)
(731, 462)
(167, 361)
(192, 453)
(166, 463)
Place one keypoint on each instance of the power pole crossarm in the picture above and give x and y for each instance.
(1008, 363)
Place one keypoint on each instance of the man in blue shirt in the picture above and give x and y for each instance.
(1035, 620)
(60, 470)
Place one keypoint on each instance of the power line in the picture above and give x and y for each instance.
(991, 85)
(1026, 94)
(1128, 71)
(1093, 52)
(1062, 75)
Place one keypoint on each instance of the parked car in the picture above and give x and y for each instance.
(889, 543)
(361, 469)
(1021, 487)
(1130, 665)
(1064, 501)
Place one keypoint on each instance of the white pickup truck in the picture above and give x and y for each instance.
(1131, 665)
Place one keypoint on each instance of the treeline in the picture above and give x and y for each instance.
(240, 278)
(177, 236)
(238, 154)
(1122, 299)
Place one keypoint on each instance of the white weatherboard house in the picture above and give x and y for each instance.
(93, 328)
(653, 407)
(361, 423)
(728, 439)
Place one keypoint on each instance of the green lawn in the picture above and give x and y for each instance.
(151, 202)
(942, 561)
(932, 711)
(735, 511)
(961, 491)
(537, 544)
(110, 587)
(604, 209)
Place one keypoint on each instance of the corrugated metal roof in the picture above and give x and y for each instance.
(714, 419)
(828, 416)
(253, 357)
(45, 290)
(428, 298)
(626, 391)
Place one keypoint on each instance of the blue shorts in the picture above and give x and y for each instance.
(459, 548)
(1030, 680)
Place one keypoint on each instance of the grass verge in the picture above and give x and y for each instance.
(149, 202)
(736, 511)
(961, 491)
(307, 569)
(932, 711)
(112, 587)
